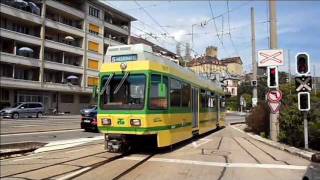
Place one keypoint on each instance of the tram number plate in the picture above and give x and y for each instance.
(86, 121)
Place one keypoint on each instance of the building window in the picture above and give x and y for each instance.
(158, 92)
(85, 99)
(93, 46)
(94, 29)
(93, 81)
(94, 12)
(4, 95)
(232, 91)
(175, 93)
(67, 98)
(93, 64)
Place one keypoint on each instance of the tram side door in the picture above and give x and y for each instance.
(195, 108)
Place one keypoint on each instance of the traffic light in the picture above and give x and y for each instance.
(302, 60)
(304, 101)
(272, 76)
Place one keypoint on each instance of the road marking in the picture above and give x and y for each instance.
(205, 141)
(22, 159)
(68, 176)
(77, 150)
(220, 164)
(25, 126)
(32, 133)
(58, 145)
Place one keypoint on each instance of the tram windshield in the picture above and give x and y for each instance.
(123, 92)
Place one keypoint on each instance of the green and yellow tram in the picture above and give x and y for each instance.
(145, 97)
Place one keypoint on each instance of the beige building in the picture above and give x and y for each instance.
(234, 65)
(51, 50)
(208, 65)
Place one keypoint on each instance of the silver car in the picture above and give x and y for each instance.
(25, 109)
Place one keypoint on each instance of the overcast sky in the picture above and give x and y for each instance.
(298, 26)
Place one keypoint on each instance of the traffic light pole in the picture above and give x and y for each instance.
(305, 125)
(254, 62)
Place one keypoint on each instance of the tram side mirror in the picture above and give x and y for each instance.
(162, 90)
(94, 92)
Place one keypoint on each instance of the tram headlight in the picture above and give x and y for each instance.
(106, 121)
(135, 122)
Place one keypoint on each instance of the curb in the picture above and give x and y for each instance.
(293, 150)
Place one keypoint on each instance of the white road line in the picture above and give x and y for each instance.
(68, 176)
(18, 126)
(77, 150)
(22, 159)
(220, 164)
(47, 132)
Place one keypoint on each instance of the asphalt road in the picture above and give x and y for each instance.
(225, 154)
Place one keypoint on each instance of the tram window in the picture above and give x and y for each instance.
(211, 100)
(203, 99)
(186, 93)
(175, 93)
(158, 92)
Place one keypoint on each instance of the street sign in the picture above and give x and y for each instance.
(254, 83)
(274, 96)
(254, 101)
(303, 83)
(274, 107)
(270, 57)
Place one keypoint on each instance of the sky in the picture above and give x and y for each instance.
(168, 22)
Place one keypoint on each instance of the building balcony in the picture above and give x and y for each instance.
(28, 16)
(15, 59)
(112, 42)
(20, 36)
(116, 28)
(19, 83)
(64, 27)
(63, 47)
(63, 67)
(64, 87)
(66, 8)
(91, 72)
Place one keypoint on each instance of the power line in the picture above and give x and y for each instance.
(230, 36)
(215, 26)
(158, 24)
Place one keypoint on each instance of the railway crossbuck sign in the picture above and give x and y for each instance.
(303, 83)
(274, 98)
(270, 57)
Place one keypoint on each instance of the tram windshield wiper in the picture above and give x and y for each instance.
(121, 83)
(106, 84)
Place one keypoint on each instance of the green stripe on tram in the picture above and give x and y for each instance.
(142, 129)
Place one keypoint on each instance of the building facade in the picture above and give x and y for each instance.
(235, 73)
(51, 50)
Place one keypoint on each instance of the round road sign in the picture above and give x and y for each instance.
(274, 96)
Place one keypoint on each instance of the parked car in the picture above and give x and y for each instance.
(89, 118)
(23, 109)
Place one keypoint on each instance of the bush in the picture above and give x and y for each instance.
(258, 120)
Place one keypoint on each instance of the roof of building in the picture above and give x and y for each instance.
(155, 48)
(236, 59)
(101, 3)
(205, 60)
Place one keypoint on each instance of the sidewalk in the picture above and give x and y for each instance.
(293, 150)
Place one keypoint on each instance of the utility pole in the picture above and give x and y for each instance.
(314, 80)
(289, 69)
(274, 117)
(254, 62)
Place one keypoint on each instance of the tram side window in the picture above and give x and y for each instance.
(186, 93)
(203, 99)
(211, 100)
(158, 92)
(175, 93)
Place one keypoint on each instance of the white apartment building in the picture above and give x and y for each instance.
(51, 50)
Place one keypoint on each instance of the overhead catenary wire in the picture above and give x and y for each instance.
(166, 33)
(216, 29)
(229, 33)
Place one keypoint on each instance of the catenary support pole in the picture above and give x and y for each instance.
(254, 62)
(305, 125)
